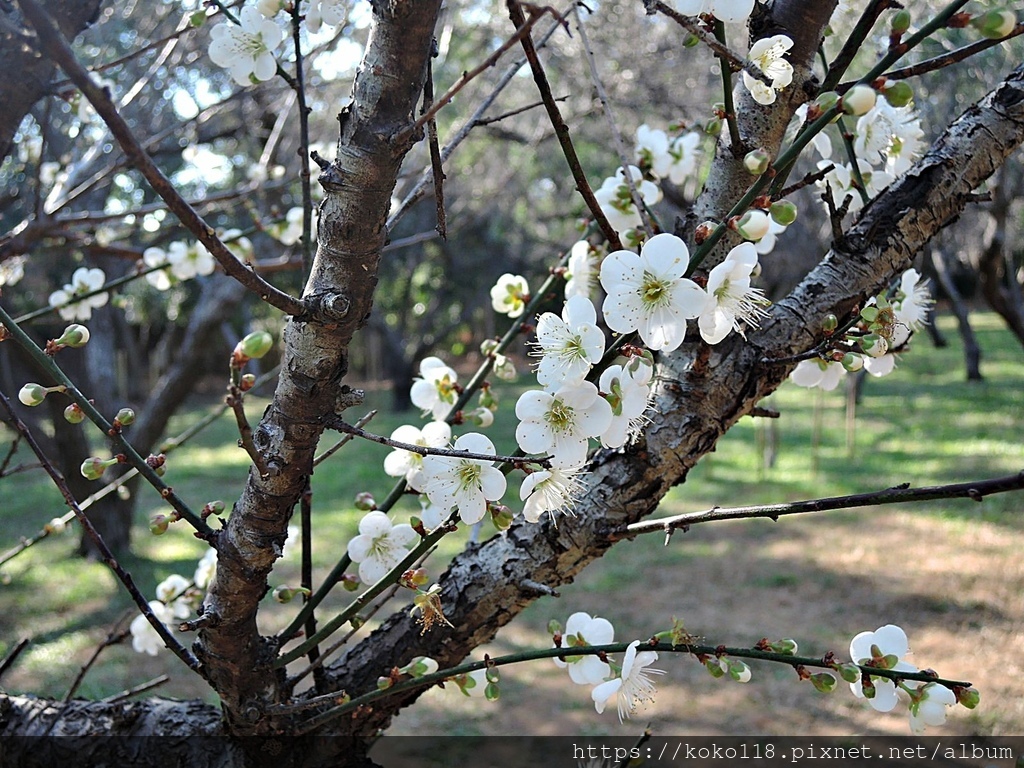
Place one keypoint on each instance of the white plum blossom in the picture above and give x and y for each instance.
(568, 346)
(633, 687)
(171, 592)
(329, 12)
(648, 293)
(380, 546)
(930, 708)
(434, 391)
(731, 300)
(724, 10)
(246, 49)
(12, 270)
(880, 366)
(883, 648)
(817, 373)
(403, 463)
(561, 422)
(841, 181)
(430, 515)
(766, 244)
(766, 54)
(289, 231)
(145, 639)
(550, 490)
(466, 483)
(582, 630)
(628, 390)
(617, 203)
(890, 135)
(510, 294)
(580, 272)
(83, 281)
(652, 149)
(206, 568)
(911, 307)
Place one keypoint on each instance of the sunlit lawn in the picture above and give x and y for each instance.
(923, 425)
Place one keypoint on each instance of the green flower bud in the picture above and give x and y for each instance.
(488, 347)
(900, 21)
(480, 417)
(93, 467)
(554, 627)
(256, 344)
(826, 100)
(216, 507)
(383, 683)
(899, 94)
(247, 382)
(756, 162)
(874, 345)
(739, 671)
(365, 501)
(492, 675)
(501, 516)
(714, 667)
(125, 417)
(969, 697)
(283, 594)
(74, 336)
(73, 414)
(350, 583)
(852, 362)
(823, 682)
(32, 394)
(159, 524)
(995, 24)
(787, 646)
(491, 692)
(783, 212)
(849, 672)
(753, 225)
(859, 100)
(690, 40)
(830, 323)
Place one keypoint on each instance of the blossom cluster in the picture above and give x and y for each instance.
(176, 598)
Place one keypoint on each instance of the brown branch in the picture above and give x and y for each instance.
(362, 422)
(108, 557)
(57, 47)
(976, 490)
(12, 657)
(437, 170)
(149, 685)
(806, 181)
(854, 42)
(114, 637)
(513, 112)
(235, 400)
(515, 12)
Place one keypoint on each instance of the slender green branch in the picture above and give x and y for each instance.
(730, 107)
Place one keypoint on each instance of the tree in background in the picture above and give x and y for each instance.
(683, 349)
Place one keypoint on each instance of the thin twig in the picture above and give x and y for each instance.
(114, 637)
(436, 167)
(12, 657)
(975, 490)
(806, 181)
(562, 130)
(235, 400)
(58, 49)
(108, 557)
(362, 422)
(853, 43)
(149, 685)
(513, 112)
(306, 575)
(735, 141)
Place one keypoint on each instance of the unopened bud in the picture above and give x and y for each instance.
(213, 508)
(898, 94)
(703, 231)
(480, 417)
(504, 368)
(995, 24)
(383, 683)
(124, 417)
(284, 594)
(823, 682)
(714, 667)
(419, 577)
(739, 671)
(554, 627)
(783, 212)
(968, 697)
(365, 501)
(73, 414)
(55, 526)
(488, 347)
(32, 394)
(874, 345)
(830, 323)
(256, 345)
(350, 582)
(756, 162)
(420, 666)
(501, 516)
(900, 21)
(713, 127)
(690, 40)
(826, 100)
(247, 382)
(753, 225)
(492, 675)
(159, 524)
(849, 672)
(787, 646)
(852, 362)
(74, 336)
(93, 467)
(859, 100)
(491, 692)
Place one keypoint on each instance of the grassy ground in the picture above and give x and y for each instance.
(949, 572)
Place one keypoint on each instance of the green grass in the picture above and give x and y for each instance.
(923, 425)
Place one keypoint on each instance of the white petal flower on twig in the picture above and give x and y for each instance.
(246, 49)
(403, 463)
(583, 630)
(83, 281)
(568, 346)
(766, 54)
(380, 546)
(466, 483)
(731, 299)
(561, 422)
(633, 687)
(435, 390)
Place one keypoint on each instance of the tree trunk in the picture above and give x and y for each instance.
(972, 352)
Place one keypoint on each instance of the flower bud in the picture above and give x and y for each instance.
(785, 646)
(73, 414)
(256, 344)
(739, 671)
(753, 225)
(383, 683)
(418, 577)
(480, 417)
(247, 382)
(365, 502)
(32, 394)
(900, 21)
(124, 417)
(874, 345)
(350, 582)
(283, 594)
(852, 362)
(969, 697)
(849, 672)
(690, 40)
(830, 323)
(898, 94)
(823, 682)
(714, 667)
(93, 467)
(55, 526)
(420, 666)
(159, 524)
(826, 100)
(501, 516)
(504, 368)
(554, 627)
(995, 24)
(213, 508)
(488, 347)
(492, 675)
(756, 162)
(491, 692)
(783, 212)
(703, 231)
(74, 336)
(713, 127)
(859, 100)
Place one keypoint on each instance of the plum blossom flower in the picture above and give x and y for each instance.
(617, 203)
(12, 270)
(402, 463)
(380, 546)
(206, 568)
(880, 366)
(145, 639)
(329, 12)
(581, 277)
(841, 181)
(434, 391)
(913, 302)
(245, 50)
(561, 422)
(724, 10)
(888, 134)
(929, 706)
(731, 300)
(171, 592)
(289, 231)
(884, 648)
(628, 390)
(466, 483)
(633, 687)
(648, 293)
(766, 54)
(817, 373)
(83, 281)
(582, 630)
(569, 345)
(550, 490)
(510, 294)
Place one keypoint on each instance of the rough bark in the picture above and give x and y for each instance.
(18, 94)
